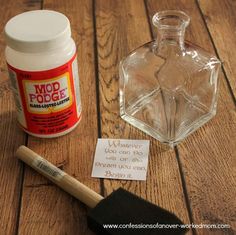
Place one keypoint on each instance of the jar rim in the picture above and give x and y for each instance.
(37, 31)
(171, 19)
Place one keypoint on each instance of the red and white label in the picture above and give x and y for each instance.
(48, 102)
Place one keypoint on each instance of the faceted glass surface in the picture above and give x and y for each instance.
(168, 87)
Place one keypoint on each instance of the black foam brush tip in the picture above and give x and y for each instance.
(123, 213)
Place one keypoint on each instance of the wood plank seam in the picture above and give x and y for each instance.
(183, 182)
(65, 217)
(21, 181)
(12, 136)
(216, 52)
(22, 175)
(41, 6)
(97, 81)
(185, 191)
(109, 58)
(203, 215)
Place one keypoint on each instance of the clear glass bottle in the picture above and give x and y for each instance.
(168, 87)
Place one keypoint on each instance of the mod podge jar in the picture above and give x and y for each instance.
(42, 64)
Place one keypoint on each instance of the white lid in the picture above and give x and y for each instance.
(37, 31)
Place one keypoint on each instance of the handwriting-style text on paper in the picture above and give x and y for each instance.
(121, 159)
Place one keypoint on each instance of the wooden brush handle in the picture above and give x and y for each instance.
(59, 177)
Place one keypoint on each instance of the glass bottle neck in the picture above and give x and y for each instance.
(169, 40)
(171, 27)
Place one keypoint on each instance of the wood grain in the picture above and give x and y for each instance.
(121, 27)
(208, 155)
(10, 135)
(45, 208)
(206, 159)
(222, 29)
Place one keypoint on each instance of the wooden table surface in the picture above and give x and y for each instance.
(196, 180)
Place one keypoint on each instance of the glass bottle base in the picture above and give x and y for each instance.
(158, 136)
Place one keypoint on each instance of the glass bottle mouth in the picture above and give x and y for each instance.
(171, 19)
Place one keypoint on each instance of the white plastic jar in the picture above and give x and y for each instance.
(42, 64)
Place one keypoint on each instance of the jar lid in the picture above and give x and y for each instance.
(37, 31)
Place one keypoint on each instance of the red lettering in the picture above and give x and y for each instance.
(32, 97)
(62, 93)
(46, 93)
(55, 96)
(47, 97)
(49, 87)
(40, 98)
(40, 89)
(56, 86)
